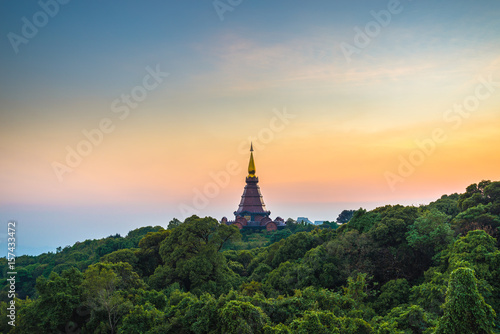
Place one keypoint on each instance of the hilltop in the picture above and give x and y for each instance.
(394, 269)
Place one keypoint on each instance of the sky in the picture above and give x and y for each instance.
(120, 114)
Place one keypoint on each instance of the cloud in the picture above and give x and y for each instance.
(245, 64)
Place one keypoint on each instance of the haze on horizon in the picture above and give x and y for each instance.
(117, 115)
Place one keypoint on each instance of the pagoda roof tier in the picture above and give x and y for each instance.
(251, 200)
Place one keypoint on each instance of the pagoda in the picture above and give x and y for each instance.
(252, 212)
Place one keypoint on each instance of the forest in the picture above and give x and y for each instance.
(431, 268)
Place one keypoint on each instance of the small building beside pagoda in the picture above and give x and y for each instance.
(252, 213)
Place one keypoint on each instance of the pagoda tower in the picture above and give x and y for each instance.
(252, 206)
(252, 212)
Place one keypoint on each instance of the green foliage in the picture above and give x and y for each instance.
(429, 295)
(173, 223)
(122, 255)
(465, 310)
(251, 239)
(238, 261)
(483, 192)
(348, 254)
(392, 228)
(395, 269)
(264, 255)
(326, 322)
(142, 319)
(345, 216)
(260, 273)
(315, 322)
(278, 329)
(410, 319)
(4, 313)
(392, 256)
(79, 256)
(280, 234)
(283, 280)
(356, 288)
(329, 225)
(136, 235)
(59, 297)
(393, 293)
(242, 317)
(191, 256)
(319, 269)
(447, 204)
(148, 254)
(26, 318)
(363, 221)
(480, 209)
(294, 247)
(430, 233)
(479, 250)
(478, 217)
(251, 288)
(295, 227)
(103, 286)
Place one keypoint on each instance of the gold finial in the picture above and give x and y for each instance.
(251, 164)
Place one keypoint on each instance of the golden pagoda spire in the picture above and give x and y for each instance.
(251, 164)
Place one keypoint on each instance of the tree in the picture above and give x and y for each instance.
(478, 251)
(465, 310)
(325, 322)
(356, 288)
(319, 322)
(345, 216)
(4, 313)
(281, 234)
(283, 280)
(392, 294)
(447, 204)
(410, 319)
(27, 319)
(103, 286)
(191, 256)
(392, 256)
(479, 217)
(141, 319)
(362, 220)
(430, 294)
(348, 254)
(294, 247)
(492, 195)
(173, 223)
(431, 232)
(319, 269)
(251, 288)
(278, 329)
(201, 316)
(242, 318)
(121, 255)
(473, 196)
(149, 253)
(57, 304)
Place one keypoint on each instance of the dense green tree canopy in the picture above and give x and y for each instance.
(192, 257)
(465, 310)
(395, 269)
